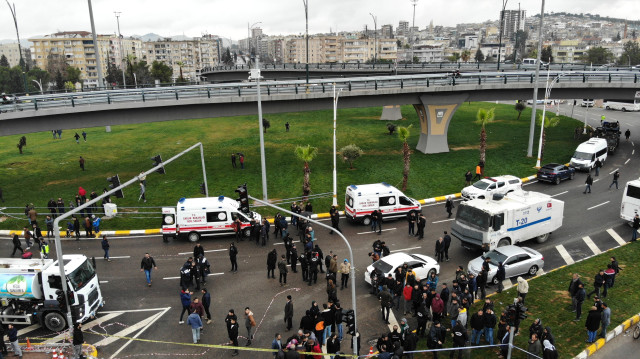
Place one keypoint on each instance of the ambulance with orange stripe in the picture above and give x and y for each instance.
(194, 218)
(362, 200)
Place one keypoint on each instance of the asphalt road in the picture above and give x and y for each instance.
(623, 346)
(135, 310)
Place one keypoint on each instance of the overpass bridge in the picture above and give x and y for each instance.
(238, 73)
(435, 98)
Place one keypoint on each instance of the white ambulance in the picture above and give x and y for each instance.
(362, 200)
(193, 218)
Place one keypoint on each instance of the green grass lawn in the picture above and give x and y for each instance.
(49, 168)
(549, 300)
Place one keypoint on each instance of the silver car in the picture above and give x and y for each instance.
(516, 261)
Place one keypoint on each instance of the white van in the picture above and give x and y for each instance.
(362, 200)
(630, 200)
(193, 218)
(588, 152)
(532, 62)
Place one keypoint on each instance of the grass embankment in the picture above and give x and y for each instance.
(549, 300)
(49, 168)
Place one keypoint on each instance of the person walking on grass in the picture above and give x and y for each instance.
(146, 265)
(580, 297)
(592, 324)
(84, 135)
(81, 162)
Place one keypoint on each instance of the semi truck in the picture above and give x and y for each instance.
(610, 131)
(503, 220)
(31, 291)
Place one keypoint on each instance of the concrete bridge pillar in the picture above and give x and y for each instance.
(391, 113)
(435, 113)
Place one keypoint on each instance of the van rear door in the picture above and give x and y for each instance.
(168, 222)
(630, 201)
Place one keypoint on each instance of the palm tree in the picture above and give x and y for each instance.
(483, 117)
(548, 122)
(466, 55)
(180, 65)
(306, 154)
(403, 135)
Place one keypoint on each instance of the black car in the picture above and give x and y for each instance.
(555, 172)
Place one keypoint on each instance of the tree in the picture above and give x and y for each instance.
(598, 55)
(161, 72)
(38, 75)
(114, 74)
(391, 128)
(466, 55)
(141, 70)
(403, 135)
(454, 57)
(265, 124)
(546, 54)
(350, 153)
(11, 80)
(3, 61)
(617, 38)
(73, 74)
(59, 81)
(69, 86)
(631, 53)
(520, 106)
(548, 122)
(479, 55)
(227, 59)
(180, 66)
(484, 117)
(306, 154)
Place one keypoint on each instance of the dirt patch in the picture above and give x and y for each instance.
(379, 153)
(474, 147)
(56, 182)
(12, 164)
(561, 294)
(3, 218)
(129, 210)
(366, 118)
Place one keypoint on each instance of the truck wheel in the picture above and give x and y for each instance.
(624, 109)
(557, 180)
(533, 270)
(193, 237)
(54, 321)
(366, 220)
(246, 233)
(542, 238)
(607, 108)
(431, 271)
(504, 242)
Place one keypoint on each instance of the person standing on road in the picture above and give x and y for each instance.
(81, 162)
(76, 227)
(378, 216)
(597, 166)
(385, 303)
(13, 339)
(288, 313)
(447, 244)
(232, 331)
(272, 259)
(196, 323)
(411, 219)
(440, 250)
(335, 221)
(345, 270)
(627, 134)
(422, 222)
(249, 323)
(283, 270)
(16, 245)
(198, 250)
(146, 265)
(206, 303)
(448, 205)
(105, 248)
(636, 225)
(233, 254)
(616, 175)
(78, 340)
(185, 300)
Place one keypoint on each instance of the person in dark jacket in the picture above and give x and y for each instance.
(536, 328)
(307, 322)
(489, 319)
(272, 258)
(333, 344)
(78, 340)
(146, 265)
(283, 270)
(385, 303)
(592, 324)
(198, 250)
(288, 313)
(460, 337)
(16, 245)
(448, 205)
(440, 250)
(437, 338)
(105, 248)
(547, 335)
(598, 282)
(447, 244)
(410, 343)
(206, 303)
(500, 275)
(232, 330)
(549, 351)
(477, 327)
(580, 297)
(588, 184)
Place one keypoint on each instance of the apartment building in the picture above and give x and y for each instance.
(122, 48)
(12, 53)
(569, 51)
(512, 22)
(190, 55)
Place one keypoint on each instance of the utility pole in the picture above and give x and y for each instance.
(413, 24)
(504, 6)
(15, 23)
(122, 54)
(306, 36)
(532, 126)
(375, 41)
(95, 45)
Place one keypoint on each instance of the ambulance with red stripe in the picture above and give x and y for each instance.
(193, 218)
(362, 200)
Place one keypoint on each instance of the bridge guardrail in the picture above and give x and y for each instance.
(298, 87)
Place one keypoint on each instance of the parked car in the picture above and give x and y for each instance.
(555, 172)
(587, 102)
(421, 264)
(489, 186)
(516, 260)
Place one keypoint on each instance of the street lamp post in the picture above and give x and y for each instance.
(532, 125)
(335, 121)
(544, 110)
(39, 83)
(375, 41)
(249, 28)
(255, 75)
(122, 54)
(95, 45)
(504, 6)
(15, 22)
(306, 36)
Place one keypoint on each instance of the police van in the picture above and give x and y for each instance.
(362, 200)
(193, 218)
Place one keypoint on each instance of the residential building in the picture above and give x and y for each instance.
(403, 28)
(122, 48)
(190, 56)
(428, 51)
(12, 53)
(387, 31)
(569, 51)
(512, 22)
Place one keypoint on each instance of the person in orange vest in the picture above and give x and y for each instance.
(478, 172)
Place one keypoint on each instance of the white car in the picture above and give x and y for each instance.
(516, 260)
(487, 187)
(422, 265)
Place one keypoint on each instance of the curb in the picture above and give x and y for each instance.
(612, 334)
(432, 200)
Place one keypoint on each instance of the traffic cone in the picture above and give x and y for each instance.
(55, 355)
(370, 350)
(29, 344)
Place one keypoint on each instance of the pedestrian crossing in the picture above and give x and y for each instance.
(590, 246)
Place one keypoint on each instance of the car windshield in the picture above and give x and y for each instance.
(472, 216)
(82, 275)
(382, 266)
(481, 185)
(495, 257)
(582, 155)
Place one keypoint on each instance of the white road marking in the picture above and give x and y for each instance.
(627, 161)
(28, 329)
(614, 171)
(210, 274)
(598, 205)
(85, 326)
(384, 230)
(633, 144)
(133, 310)
(275, 244)
(140, 332)
(530, 182)
(171, 278)
(405, 249)
(392, 319)
(591, 245)
(634, 151)
(596, 180)
(557, 194)
(120, 257)
(211, 250)
(564, 254)
(445, 220)
(104, 281)
(615, 236)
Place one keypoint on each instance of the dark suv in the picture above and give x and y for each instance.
(555, 172)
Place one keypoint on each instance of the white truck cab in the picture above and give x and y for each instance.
(193, 218)
(362, 200)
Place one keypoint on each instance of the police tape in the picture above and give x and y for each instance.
(214, 346)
